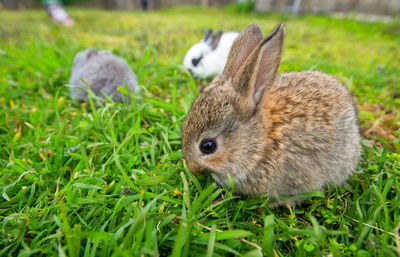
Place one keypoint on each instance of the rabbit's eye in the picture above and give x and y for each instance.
(208, 146)
(196, 61)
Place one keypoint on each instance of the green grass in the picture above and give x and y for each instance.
(80, 181)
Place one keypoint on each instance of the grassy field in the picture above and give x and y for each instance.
(80, 181)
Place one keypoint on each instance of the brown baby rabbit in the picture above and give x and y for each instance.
(283, 135)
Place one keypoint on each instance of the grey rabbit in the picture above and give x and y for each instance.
(103, 72)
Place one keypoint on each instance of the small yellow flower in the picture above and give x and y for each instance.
(177, 192)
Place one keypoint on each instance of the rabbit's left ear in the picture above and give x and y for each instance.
(207, 35)
(259, 72)
(91, 53)
(215, 40)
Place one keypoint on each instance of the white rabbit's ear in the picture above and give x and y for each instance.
(91, 53)
(215, 40)
(207, 35)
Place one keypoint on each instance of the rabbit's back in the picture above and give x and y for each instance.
(225, 43)
(313, 136)
(314, 97)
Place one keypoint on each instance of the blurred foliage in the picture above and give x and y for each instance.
(240, 7)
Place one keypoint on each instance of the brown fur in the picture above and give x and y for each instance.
(277, 136)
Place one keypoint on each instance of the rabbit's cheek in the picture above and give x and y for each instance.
(196, 169)
(217, 161)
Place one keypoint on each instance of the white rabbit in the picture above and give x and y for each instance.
(208, 57)
(103, 72)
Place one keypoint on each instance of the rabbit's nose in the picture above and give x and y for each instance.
(196, 169)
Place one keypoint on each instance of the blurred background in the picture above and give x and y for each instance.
(373, 7)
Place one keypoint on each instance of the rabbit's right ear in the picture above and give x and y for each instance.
(207, 35)
(215, 40)
(241, 48)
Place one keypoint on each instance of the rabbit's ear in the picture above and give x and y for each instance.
(207, 35)
(241, 48)
(215, 40)
(91, 53)
(259, 71)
